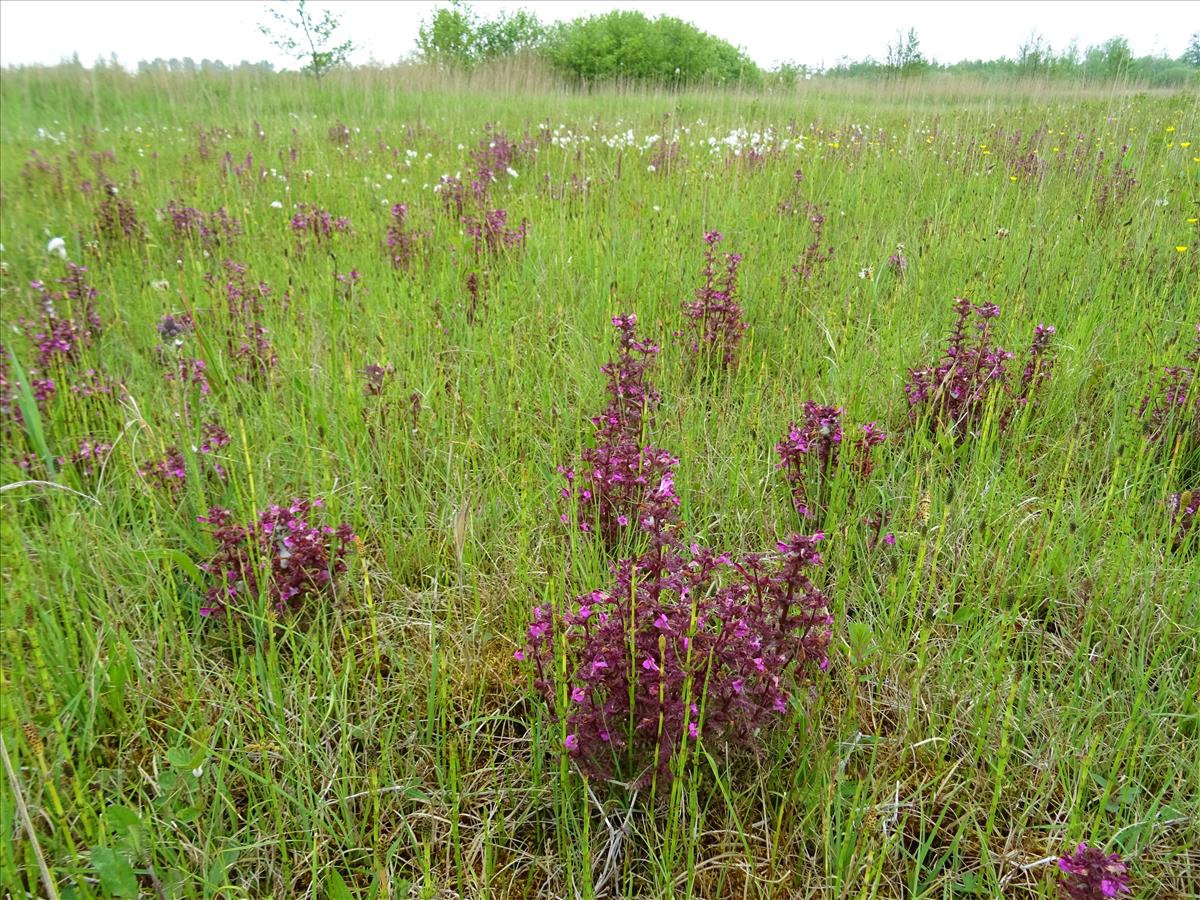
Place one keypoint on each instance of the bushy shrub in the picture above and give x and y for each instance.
(628, 44)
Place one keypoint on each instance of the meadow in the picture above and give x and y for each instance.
(349, 429)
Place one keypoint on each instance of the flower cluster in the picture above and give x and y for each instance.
(492, 234)
(90, 456)
(209, 229)
(190, 371)
(68, 322)
(972, 376)
(173, 329)
(403, 243)
(457, 197)
(313, 223)
(242, 297)
(810, 455)
(1183, 507)
(715, 323)
(815, 255)
(674, 653)
(284, 553)
(95, 384)
(10, 409)
(1176, 408)
(1090, 874)
(624, 481)
(254, 351)
(496, 153)
(116, 218)
(377, 378)
(686, 644)
(169, 472)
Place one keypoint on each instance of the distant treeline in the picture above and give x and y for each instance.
(629, 45)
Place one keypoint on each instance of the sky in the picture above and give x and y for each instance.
(812, 32)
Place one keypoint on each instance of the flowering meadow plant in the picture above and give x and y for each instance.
(1090, 874)
(956, 394)
(1174, 407)
(683, 645)
(283, 552)
(715, 325)
(623, 481)
(811, 453)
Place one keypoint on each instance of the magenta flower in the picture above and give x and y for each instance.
(1088, 874)
(715, 325)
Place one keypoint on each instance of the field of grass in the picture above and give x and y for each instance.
(1013, 672)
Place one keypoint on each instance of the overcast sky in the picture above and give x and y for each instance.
(814, 32)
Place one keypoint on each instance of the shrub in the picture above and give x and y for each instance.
(627, 44)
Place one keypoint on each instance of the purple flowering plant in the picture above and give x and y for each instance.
(623, 483)
(715, 326)
(491, 234)
(1091, 874)
(312, 225)
(404, 244)
(285, 553)
(685, 644)
(1172, 411)
(973, 378)
(812, 453)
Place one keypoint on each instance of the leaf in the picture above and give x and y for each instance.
(116, 874)
(335, 887)
(124, 821)
(182, 561)
(31, 415)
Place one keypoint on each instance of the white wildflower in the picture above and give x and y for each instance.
(58, 247)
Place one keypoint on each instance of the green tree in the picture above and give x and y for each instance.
(1035, 56)
(455, 36)
(308, 40)
(904, 55)
(1191, 55)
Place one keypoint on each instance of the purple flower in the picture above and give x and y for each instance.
(972, 377)
(283, 552)
(1089, 873)
(715, 325)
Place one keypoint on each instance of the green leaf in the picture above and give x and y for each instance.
(123, 821)
(31, 415)
(335, 887)
(116, 874)
(181, 561)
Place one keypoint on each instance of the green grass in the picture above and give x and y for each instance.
(1025, 661)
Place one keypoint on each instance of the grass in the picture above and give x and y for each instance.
(1018, 674)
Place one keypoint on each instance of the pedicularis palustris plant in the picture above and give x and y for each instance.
(684, 643)
(973, 377)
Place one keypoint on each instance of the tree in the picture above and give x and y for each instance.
(1191, 55)
(1036, 55)
(905, 54)
(455, 36)
(308, 40)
